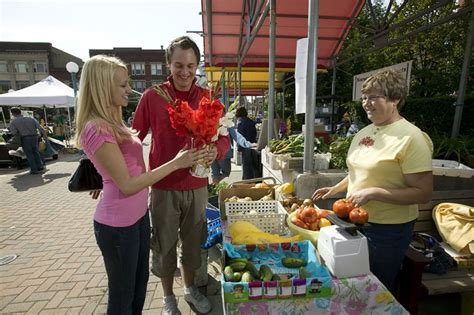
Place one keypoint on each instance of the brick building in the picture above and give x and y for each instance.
(146, 66)
(24, 63)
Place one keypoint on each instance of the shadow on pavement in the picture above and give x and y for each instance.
(23, 182)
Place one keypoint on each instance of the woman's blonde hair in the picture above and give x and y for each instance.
(95, 98)
(389, 82)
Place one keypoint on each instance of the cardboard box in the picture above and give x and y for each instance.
(317, 285)
(461, 260)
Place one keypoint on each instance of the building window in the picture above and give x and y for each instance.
(4, 86)
(3, 67)
(139, 85)
(40, 67)
(153, 82)
(22, 84)
(138, 68)
(21, 67)
(156, 68)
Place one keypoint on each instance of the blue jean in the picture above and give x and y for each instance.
(251, 164)
(388, 244)
(30, 147)
(126, 252)
(221, 168)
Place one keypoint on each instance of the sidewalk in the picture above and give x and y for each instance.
(59, 268)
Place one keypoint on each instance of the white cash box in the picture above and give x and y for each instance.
(344, 254)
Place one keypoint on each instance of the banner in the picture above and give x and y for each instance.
(300, 75)
(404, 68)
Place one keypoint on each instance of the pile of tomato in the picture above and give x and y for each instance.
(308, 217)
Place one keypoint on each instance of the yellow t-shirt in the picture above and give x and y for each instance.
(379, 156)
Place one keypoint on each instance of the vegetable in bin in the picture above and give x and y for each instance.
(294, 145)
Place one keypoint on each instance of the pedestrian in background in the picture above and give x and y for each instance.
(121, 219)
(251, 165)
(221, 169)
(29, 130)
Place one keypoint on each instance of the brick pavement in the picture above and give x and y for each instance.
(59, 269)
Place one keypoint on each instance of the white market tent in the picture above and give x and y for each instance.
(47, 93)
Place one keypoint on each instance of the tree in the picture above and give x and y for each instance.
(437, 54)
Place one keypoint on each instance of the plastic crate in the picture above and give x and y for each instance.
(214, 228)
(451, 169)
(320, 162)
(269, 216)
(270, 159)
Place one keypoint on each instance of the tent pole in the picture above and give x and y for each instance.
(271, 76)
(45, 117)
(69, 116)
(311, 75)
(4, 121)
(463, 80)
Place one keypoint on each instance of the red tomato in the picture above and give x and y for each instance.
(323, 213)
(314, 226)
(358, 216)
(298, 214)
(299, 223)
(309, 215)
(342, 207)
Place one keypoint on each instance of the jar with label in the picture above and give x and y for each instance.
(270, 289)
(285, 288)
(299, 287)
(255, 290)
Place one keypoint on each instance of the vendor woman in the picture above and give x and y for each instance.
(389, 174)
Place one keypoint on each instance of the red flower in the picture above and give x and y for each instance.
(200, 124)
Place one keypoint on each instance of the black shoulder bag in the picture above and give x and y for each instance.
(85, 178)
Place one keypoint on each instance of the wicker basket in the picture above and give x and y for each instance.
(269, 216)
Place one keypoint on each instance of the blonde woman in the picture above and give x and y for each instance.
(121, 220)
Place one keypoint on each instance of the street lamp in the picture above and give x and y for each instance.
(72, 68)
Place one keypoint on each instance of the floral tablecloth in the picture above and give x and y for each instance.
(352, 296)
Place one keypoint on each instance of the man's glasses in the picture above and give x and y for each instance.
(370, 98)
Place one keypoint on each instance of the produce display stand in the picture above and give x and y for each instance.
(356, 295)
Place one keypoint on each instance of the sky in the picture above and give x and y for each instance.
(75, 26)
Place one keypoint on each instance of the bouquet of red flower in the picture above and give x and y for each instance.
(201, 124)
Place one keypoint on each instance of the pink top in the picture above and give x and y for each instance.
(115, 208)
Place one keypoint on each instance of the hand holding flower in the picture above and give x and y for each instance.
(211, 154)
(187, 158)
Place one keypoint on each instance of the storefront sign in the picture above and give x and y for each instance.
(404, 68)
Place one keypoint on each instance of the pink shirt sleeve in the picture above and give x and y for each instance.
(92, 139)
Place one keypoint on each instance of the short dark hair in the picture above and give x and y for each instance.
(241, 112)
(15, 111)
(183, 42)
(391, 83)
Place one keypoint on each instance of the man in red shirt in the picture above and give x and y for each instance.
(179, 200)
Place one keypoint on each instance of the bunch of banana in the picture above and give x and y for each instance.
(243, 232)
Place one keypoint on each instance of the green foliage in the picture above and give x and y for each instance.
(436, 115)
(338, 149)
(213, 189)
(459, 149)
(437, 54)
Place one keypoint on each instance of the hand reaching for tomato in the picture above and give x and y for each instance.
(322, 193)
(360, 197)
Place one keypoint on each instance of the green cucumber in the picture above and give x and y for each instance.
(292, 262)
(229, 274)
